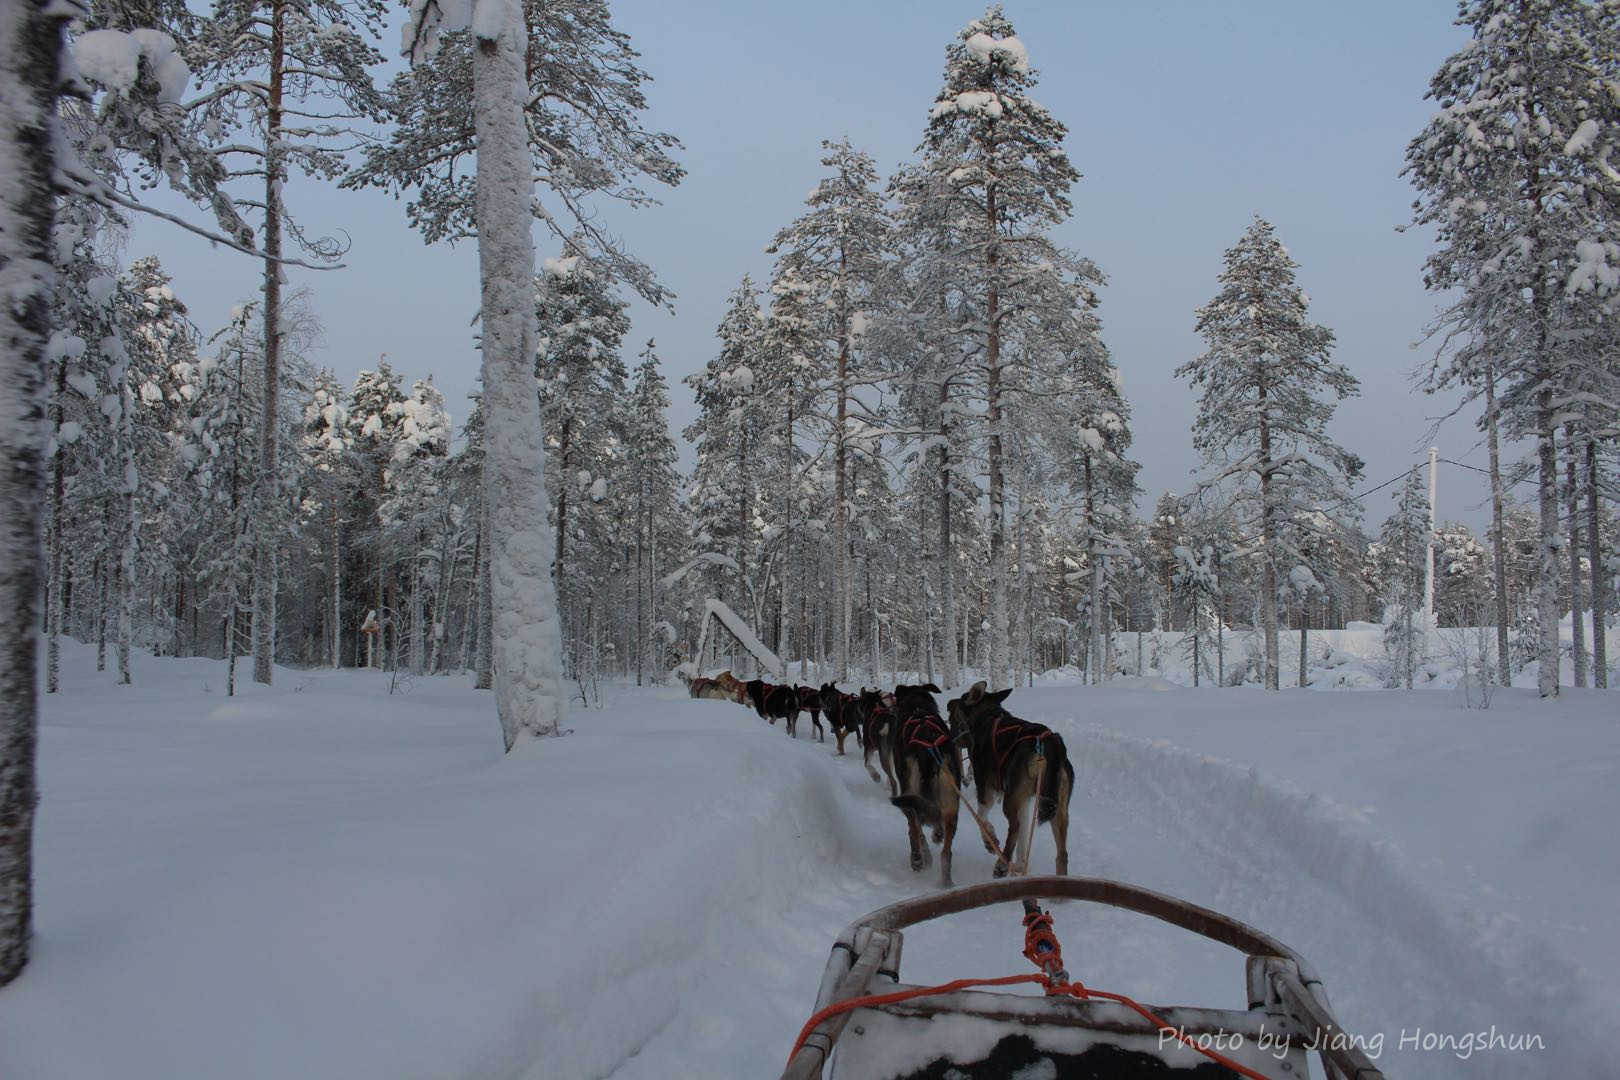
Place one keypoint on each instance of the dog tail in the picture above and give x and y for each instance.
(1057, 782)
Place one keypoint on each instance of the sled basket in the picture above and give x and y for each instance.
(971, 1034)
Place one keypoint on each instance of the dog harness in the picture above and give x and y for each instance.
(1005, 735)
(924, 730)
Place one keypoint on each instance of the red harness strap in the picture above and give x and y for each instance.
(924, 730)
(1005, 736)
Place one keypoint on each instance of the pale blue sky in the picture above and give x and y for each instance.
(1185, 118)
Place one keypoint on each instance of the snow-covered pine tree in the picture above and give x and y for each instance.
(417, 521)
(922, 303)
(223, 465)
(295, 75)
(1196, 582)
(582, 100)
(1092, 432)
(1166, 531)
(651, 491)
(326, 447)
(994, 166)
(587, 102)
(792, 364)
(727, 435)
(86, 356)
(1402, 559)
(1463, 584)
(836, 251)
(582, 381)
(1261, 415)
(1514, 174)
(373, 429)
(162, 353)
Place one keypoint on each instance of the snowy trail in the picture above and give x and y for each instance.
(1290, 862)
(329, 881)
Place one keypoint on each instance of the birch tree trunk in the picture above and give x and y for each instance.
(30, 74)
(527, 643)
(1504, 661)
(947, 578)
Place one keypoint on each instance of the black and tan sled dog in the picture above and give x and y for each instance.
(929, 770)
(1010, 756)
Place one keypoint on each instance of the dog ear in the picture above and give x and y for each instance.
(1000, 695)
(930, 687)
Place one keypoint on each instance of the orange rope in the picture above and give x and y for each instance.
(1042, 948)
(902, 995)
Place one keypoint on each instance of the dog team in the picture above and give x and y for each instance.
(920, 751)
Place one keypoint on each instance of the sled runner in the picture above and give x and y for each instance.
(869, 1025)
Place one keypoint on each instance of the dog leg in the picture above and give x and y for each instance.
(1060, 827)
(1015, 816)
(919, 848)
(945, 851)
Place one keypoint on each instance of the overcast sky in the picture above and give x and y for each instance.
(1186, 118)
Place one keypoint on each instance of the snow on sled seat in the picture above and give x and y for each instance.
(977, 1034)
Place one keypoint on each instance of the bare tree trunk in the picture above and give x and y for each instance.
(57, 551)
(997, 490)
(641, 584)
(1600, 590)
(1268, 601)
(1548, 570)
(947, 579)
(264, 562)
(337, 587)
(1577, 631)
(1504, 662)
(1303, 651)
(840, 497)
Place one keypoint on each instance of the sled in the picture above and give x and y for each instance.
(867, 1025)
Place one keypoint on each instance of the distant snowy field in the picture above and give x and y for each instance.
(324, 880)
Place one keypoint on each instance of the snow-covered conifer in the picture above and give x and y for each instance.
(1402, 559)
(1262, 420)
(296, 75)
(995, 178)
(1514, 172)
(836, 251)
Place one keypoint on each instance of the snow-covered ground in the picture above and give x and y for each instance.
(326, 880)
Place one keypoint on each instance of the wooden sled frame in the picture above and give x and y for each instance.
(1283, 990)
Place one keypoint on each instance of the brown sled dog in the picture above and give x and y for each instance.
(1010, 756)
(731, 685)
(930, 773)
(874, 712)
(702, 687)
(810, 702)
